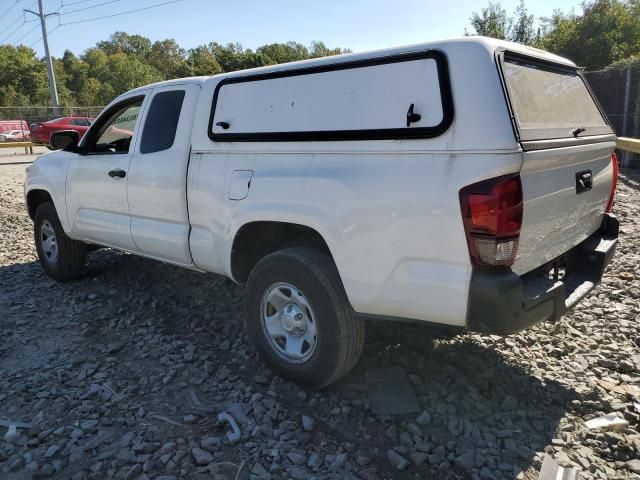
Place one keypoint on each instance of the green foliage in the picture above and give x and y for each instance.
(606, 32)
(23, 77)
(126, 61)
(493, 21)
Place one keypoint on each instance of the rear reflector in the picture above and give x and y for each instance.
(614, 182)
(492, 216)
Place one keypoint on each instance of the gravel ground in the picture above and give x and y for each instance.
(122, 374)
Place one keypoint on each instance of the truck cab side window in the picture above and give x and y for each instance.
(114, 134)
(160, 126)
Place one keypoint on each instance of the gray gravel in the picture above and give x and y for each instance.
(123, 374)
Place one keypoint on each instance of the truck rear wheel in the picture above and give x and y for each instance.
(300, 319)
(61, 257)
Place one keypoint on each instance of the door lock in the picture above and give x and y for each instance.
(119, 173)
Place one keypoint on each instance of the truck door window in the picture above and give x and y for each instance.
(114, 133)
(161, 123)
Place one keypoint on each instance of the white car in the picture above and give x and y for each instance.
(14, 136)
(467, 182)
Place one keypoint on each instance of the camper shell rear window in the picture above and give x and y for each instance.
(550, 101)
(391, 97)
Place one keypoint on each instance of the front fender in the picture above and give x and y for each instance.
(49, 173)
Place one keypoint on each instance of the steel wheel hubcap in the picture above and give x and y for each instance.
(288, 322)
(49, 242)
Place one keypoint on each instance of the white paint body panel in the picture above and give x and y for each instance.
(97, 204)
(388, 209)
(157, 188)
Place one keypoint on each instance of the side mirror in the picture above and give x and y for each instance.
(65, 140)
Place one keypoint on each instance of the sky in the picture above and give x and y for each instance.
(356, 24)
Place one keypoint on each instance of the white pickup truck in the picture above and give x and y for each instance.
(467, 182)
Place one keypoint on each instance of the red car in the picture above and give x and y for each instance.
(41, 132)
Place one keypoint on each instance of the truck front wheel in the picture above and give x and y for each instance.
(61, 257)
(300, 319)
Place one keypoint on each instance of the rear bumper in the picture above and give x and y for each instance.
(503, 302)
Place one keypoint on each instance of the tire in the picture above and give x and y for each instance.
(70, 255)
(306, 280)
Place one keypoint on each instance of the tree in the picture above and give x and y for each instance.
(125, 61)
(121, 42)
(606, 32)
(168, 58)
(202, 61)
(522, 30)
(125, 72)
(23, 77)
(492, 21)
(319, 49)
(284, 52)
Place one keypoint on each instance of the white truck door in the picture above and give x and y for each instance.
(97, 178)
(157, 180)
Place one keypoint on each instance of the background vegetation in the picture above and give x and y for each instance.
(127, 61)
(605, 33)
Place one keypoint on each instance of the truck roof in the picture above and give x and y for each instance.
(471, 42)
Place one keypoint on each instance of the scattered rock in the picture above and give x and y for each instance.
(201, 457)
(308, 423)
(123, 383)
(397, 460)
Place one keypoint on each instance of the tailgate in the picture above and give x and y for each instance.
(556, 217)
(567, 143)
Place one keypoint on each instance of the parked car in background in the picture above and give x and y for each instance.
(14, 136)
(7, 125)
(41, 132)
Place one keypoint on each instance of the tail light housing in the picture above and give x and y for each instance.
(614, 182)
(492, 216)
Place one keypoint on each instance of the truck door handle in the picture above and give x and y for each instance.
(117, 173)
(584, 181)
(411, 116)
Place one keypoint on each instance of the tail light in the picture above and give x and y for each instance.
(614, 182)
(492, 216)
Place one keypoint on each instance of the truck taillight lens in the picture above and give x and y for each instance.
(492, 216)
(614, 182)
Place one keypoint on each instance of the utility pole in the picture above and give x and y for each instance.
(53, 90)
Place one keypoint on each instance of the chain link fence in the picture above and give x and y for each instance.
(618, 91)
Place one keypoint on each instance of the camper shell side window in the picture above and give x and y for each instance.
(391, 97)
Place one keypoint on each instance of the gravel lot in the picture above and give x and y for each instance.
(123, 373)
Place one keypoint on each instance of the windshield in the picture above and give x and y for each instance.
(551, 103)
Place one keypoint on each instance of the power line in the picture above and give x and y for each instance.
(17, 19)
(89, 7)
(49, 33)
(14, 22)
(121, 13)
(13, 31)
(25, 35)
(74, 3)
(11, 7)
